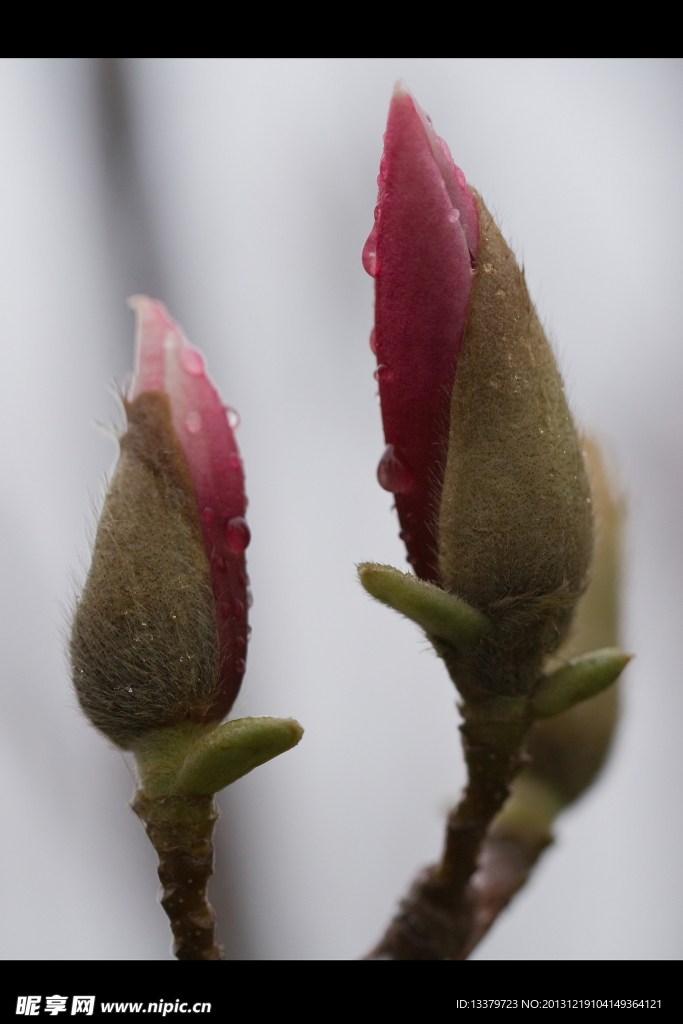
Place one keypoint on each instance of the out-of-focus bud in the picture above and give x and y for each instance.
(160, 630)
(566, 752)
(569, 750)
(482, 454)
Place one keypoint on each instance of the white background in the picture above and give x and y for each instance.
(258, 181)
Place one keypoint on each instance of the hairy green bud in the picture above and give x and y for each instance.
(144, 645)
(515, 525)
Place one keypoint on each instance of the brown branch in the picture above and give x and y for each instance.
(180, 829)
(439, 915)
(505, 864)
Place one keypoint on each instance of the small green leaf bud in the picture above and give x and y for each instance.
(234, 749)
(578, 680)
(200, 760)
(443, 616)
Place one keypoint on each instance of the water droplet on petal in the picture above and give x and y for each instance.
(373, 342)
(224, 610)
(370, 254)
(239, 665)
(453, 215)
(219, 563)
(193, 422)
(208, 515)
(234, 461)
(250, 597)
(237, 535)
(383, 169)
(248, 632)
(392, 472)
(383, 374)
(240, 643)
(192, 362)
(238, 609)
(233, 417)
(377, 211)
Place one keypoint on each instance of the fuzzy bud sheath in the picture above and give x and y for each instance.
(159, 636)
(492, 496)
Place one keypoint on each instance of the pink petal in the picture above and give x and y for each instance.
(454, 180)
(166, 362)
(420, 254)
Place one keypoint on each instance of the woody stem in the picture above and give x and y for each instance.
(435, 920)
(180, 828)
(504, 865)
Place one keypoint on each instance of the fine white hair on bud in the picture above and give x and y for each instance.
(515, 526)
(144, 644)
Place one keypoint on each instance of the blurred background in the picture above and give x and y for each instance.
(240, 192)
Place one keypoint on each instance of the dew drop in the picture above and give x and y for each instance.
(237, 535)
(454, 215)
(383, 375)
(240, 643)
(192, 362)
(250, 597)
(383, 170)
(239, 665)
(392, 472)
(234, 462)
(370, 254)
(377, 211)
(224, 610)
(238, 609)
(233, 417)
(248, 632)
(373, 342)
(208, 515)
(193, 422)
(219, 563)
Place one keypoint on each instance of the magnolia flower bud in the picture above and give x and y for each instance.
(160, 631)
(482, 454)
